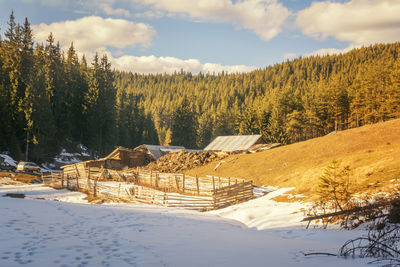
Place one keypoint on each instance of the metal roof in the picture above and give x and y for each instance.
(159, 151)
(233, 142)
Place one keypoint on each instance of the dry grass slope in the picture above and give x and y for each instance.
(372, 151)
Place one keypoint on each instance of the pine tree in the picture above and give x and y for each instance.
(38, 113)
(204, 131)
(184, 126)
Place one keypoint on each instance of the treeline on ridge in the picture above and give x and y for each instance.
(288, 102)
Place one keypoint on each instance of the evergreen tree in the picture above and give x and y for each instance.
(204, 131)
(184, 126)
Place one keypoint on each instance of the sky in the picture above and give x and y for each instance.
(163, 36)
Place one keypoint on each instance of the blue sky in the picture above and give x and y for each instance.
(156, 36)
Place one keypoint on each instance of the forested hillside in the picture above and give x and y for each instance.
(49, 97)
(287, 102)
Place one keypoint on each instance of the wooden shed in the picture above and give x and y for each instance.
(121, 158)
(125, 157)
(235, 142)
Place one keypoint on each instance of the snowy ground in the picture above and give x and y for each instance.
(38, 231)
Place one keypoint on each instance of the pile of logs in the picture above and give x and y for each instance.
(185, 160)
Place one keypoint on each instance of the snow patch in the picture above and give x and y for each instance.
(54, 233)
(265, 213)
(9, 160)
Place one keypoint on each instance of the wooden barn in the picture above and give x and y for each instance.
(121, 158)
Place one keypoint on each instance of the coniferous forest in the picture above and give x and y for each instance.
(49, 97)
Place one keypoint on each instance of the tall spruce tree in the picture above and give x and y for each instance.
(184, 125)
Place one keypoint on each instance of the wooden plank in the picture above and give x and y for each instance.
(168, 198)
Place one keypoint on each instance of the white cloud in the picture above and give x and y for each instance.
(153, 64)
(332, 51)
(48, 2)
(289, 55)
(357, 21)
(264, 17)
(108, 10)
(151, 14)
(91, 34)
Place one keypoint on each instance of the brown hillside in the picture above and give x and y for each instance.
(372, 151)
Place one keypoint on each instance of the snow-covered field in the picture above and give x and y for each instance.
(47, 229)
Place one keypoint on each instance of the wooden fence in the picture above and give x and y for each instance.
(181, 183)
(166, 189)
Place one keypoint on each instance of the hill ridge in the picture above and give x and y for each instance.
(371, 151)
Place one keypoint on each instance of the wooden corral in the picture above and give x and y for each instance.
(166, 189)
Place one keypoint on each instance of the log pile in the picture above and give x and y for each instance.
(185, 160)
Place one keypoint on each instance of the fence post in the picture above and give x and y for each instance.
(52, 179)
(197, 184)
(183, 183)
(67, 181)
(88, 179)
(77, 176)
(62, 179)
(219, 182)
(213, 181)
(177, 183)
(95, 189)
(156, 182)
(229, 181)
(214, 201)
(151, 178)
(119, 189)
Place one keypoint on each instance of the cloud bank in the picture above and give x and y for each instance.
(359, 22)
(153, 64)
(108, 10)
(263, 17)
(94, 33)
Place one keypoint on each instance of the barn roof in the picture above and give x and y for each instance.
(234, 142)
(159, 151)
